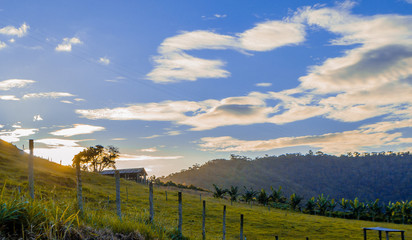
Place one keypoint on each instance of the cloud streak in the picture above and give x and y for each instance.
(66, 45)
(78, 129)
(13, 31)
(174, 64)
(14, 83)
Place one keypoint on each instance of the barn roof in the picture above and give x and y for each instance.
(122, 171)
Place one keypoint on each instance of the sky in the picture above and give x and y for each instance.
(178, 83)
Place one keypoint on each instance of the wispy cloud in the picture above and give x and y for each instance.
(47, 95)
(37, 118)
(174, 64)
(153, 149)
(129, 157)
(78, 129)
(104, 60)
(263, 84)
(14, 83)
(362, 139)
(9, 98)
(13, 31)
(2, 45)
(16, 134)
(66, 45)
(119, 139)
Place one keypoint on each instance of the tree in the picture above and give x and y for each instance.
(357, 207)
(97, 158)
(248, 195)
(276, 195)
(344, 204)
(262, 197)
(322, 203)
(374, 208)
(219, 192)
(294, 201)
(310, 205)
(233, 193)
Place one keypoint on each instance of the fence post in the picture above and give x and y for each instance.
(200, 197)
(151, 201)
(307, 238)
(241, 226)
(79, 187)
(31, 172)
(127, 194)
(204, 221)
(224, 222)
(166, 195)
(118, 206)
(179, 227)
(276, 238)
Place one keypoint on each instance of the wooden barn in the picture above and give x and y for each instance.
(134, 174)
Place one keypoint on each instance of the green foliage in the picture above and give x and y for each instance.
(295, 201)
(262, 197)
(233, 193)
(219, 192)
(97, 158)
(249, 194)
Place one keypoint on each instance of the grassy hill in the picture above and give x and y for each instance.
(55, 188)
(387, 177)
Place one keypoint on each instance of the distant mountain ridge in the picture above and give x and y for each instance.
(384, 176)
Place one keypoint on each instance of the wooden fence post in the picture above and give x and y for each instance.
(31, 172)
(118, 204)
(276, 238)
(224, 222)
(204, 221)
(179, 227)
(79, 188)
(151, 201)
(166, 195)
(200, 197)
(241, 226)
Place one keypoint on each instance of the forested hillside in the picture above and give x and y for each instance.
(386, 176)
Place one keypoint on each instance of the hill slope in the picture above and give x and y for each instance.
(55, 185)
(387, 177)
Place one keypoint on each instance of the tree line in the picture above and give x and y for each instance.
(395, 212)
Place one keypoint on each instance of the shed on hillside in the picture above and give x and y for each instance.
(134, 174)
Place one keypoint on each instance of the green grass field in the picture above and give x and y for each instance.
(55, 187)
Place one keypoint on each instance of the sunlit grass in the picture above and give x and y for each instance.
(55, 189)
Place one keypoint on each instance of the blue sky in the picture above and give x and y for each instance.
(175, 83)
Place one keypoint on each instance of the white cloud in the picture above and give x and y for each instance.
(16, 134)
(332, 143)
(78, 129)
(174, 64)
(119, 139)
(66, 101)
(12, 40)
(14, 83)
(37, 118)
(104, 60)
(180, 66)
(2, 45)
(1, 126)
(272, 34)
(47, 95)
(263, 84)
(153, 149)
(9, 98)
(79, 99)
(66, 45)
(13, 31)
